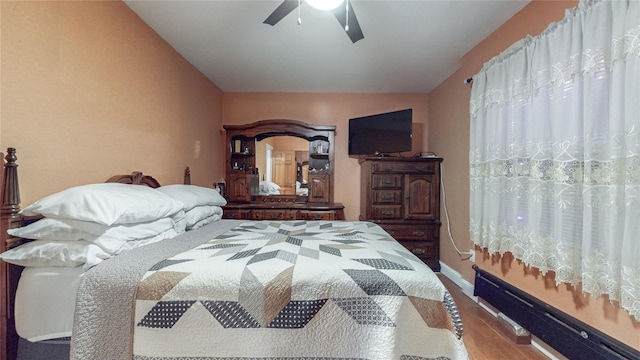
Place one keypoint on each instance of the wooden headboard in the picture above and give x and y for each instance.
(10, 218)
(136, 178)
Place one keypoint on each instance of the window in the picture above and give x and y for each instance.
(555, 151)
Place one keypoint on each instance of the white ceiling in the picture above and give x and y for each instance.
(408, 46)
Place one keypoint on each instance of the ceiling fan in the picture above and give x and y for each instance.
(345, 15)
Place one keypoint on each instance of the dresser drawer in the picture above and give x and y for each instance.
(236, 214)
(386, 211)
(256, 214)
(393, 197)
(276, 215)
(405, 167)
(386, 181)
(387, 167)
(317, 215)
(425, 250)
(420, 167)
(412, 232)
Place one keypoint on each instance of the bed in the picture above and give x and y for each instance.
(243, 290)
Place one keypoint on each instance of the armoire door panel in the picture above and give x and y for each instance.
(421, 192)
(238, 188)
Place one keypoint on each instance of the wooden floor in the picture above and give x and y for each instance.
(481, 337)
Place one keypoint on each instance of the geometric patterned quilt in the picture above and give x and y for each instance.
(296, 290)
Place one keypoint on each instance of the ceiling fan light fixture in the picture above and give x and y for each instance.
(324, 4)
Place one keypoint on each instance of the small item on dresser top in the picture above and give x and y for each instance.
(427, 154)
(222, 188)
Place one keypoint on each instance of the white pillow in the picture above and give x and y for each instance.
(128, 245)
(109, 238)
(192, 195)
(41, 253)
(200, 212)
(205, 221)
(67, 230)
(108, 204)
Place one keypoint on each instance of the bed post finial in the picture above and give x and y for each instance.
(11, 191)
(187, 176)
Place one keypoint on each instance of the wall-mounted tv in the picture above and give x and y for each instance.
(381, 134)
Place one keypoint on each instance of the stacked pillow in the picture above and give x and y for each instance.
(201, 205)
(86, 224)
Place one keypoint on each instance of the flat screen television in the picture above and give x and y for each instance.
(381, 134)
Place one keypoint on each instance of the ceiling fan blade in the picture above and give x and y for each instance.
(281, 11)
(354, 32)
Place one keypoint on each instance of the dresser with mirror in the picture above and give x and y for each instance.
(280, 170)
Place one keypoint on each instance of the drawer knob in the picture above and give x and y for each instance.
(274, 216)
(418, 233)
(387, 197)
(318, 217)
(387, 181)
(387, 212)
(388, 167)
(418, 251)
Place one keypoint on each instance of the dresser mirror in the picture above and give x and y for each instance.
(283, 165)
(288, 160)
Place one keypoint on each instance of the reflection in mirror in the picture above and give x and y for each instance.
(277, 160)
(303, 173)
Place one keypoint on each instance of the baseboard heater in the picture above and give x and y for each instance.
(569, 336)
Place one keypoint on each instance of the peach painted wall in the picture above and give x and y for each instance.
(330, 109)
(449, 137)
(88, 91)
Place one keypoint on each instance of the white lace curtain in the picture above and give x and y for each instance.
(554, 153)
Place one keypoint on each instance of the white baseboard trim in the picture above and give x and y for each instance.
(545, 349)
(467, 289)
